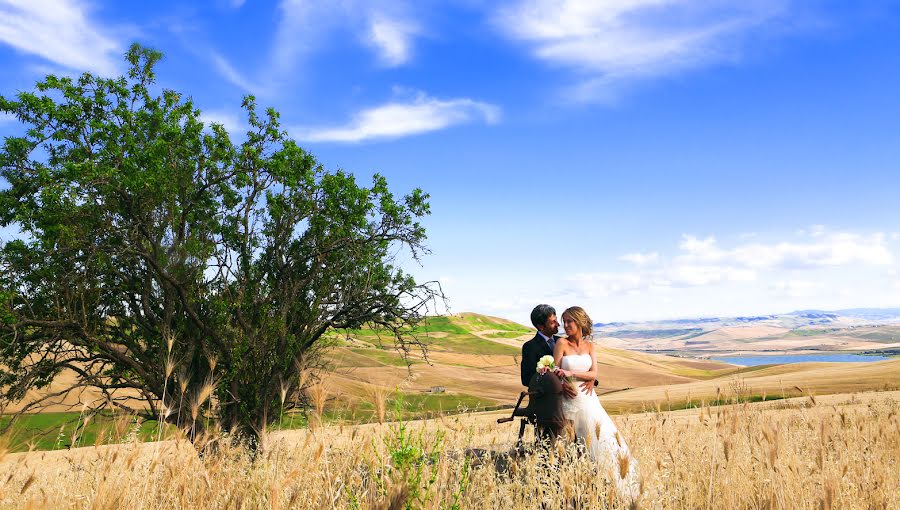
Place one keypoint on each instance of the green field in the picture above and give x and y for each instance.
(409, 405)
(506, 334)
(810, 332)
(481, 322)
(56, 431)
(470, 344)
(886, 335)
(454, 334)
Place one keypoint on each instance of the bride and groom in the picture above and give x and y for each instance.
(575, 360)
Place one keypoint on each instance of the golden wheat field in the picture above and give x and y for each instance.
(839, 451)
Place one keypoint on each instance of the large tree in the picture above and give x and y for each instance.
(182, 275)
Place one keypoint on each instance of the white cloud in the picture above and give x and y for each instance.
(6, 118)
(59, 31)
(306, 25)
(826, 249)
(797, 288)
(702, 262)
(392, 39)
(398, 119)
(817, 230)
(302, 25)
(614, 42)
(640, 259)
(230, 121)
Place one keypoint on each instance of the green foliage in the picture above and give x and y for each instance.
(463, 484)
(182, 273)
(411, 461)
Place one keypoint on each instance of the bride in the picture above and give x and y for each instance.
(593, 427)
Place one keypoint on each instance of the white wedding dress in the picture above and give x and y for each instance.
(597, 432)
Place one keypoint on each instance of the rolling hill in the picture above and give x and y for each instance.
(472, 361)
(476, 355)
(473, 356)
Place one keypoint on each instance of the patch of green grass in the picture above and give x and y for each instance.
(471, 344)
(482, 322)
(697, 373)
(810, 332)
(726, 401)
(506, 334)
(440, 325)
(886, 336)
(698, 403)
(412, 405)
(54, 431)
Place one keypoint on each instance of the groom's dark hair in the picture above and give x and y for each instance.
(540, 314)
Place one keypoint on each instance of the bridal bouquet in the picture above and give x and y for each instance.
(546, 364)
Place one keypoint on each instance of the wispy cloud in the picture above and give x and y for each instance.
(610, 44)
(392, 39)
(236, 78)
(702, 262)
(640, 259)
(61, 32)
(797, 288)
(300, 29)
(6, 118)
(398, 119)
(305, 26)
(230, 121)
(826, 249)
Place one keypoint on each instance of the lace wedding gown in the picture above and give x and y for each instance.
(597, 432)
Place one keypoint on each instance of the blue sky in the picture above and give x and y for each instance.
(641, 158)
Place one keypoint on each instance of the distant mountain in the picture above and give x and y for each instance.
(852, 329)
(875, 314)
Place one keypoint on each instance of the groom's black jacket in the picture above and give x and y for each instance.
(532, 351)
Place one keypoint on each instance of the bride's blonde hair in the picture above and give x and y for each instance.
(577, 314)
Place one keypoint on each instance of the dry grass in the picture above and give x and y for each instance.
(831, 452)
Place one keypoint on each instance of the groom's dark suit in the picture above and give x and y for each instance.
(532, 351)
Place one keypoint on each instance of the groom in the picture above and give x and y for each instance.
(543, 317)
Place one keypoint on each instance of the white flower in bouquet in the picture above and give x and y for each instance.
(545, 364)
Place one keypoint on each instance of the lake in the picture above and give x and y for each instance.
(752, 361)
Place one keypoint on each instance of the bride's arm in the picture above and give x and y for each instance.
(558, 351)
